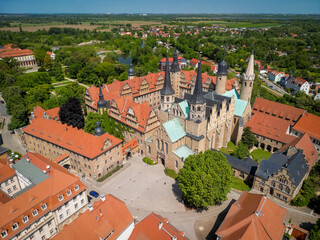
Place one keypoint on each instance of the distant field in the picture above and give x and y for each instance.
(35, 27)
(47, 27)
(231, 24)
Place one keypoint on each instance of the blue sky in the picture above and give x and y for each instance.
(160, 6)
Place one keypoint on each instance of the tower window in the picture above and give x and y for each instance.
(168, 99)
(245, 84)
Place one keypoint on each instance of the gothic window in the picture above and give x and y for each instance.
(287, 190)
(199, 109)
(168, 99)
(273, 183)
(283, 179)
(158, 144)
(176, 164)
(166, 148)
(161, 145)
(251, 84)
(280, 187)
(245, 84)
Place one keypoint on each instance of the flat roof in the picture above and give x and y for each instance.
(30, 171)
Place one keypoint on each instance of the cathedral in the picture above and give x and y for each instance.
(176, 113)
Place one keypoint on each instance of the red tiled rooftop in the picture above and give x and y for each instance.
(271, 108)
(132, 145)
(6, 171)
(253, 216)
(61, 158)
(304, 142)
(59, 182)
(270, 127)
(15, 53)
(70, 138)
(163, 60)
(106, 216)
(309, 123)
(148, 229)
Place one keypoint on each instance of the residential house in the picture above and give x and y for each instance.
(274, 75)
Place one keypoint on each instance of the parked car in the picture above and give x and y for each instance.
(94, 194)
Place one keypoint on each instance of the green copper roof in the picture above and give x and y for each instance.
(30, 171)
(183, 151)
(174, 129)
(239, 104)
(184, 107)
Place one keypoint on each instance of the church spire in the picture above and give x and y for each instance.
(131, 71)
(101, 103)
(250, 69)
(175, 64)
(167, 88)
(223, 66)
(197, 96)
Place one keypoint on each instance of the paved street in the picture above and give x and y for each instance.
(9, 140)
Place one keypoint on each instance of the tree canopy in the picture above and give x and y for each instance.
(71, 113)
(205, 179)
(248, 138)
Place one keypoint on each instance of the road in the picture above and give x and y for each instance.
(10, 140)
(272, 85)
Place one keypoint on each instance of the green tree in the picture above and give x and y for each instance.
(205, 179)
(47, 62)
(241, 152)
(71, 113)
(315, 231)
(248, 138)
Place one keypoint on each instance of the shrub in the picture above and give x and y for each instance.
(148, 161)
(171, 173)
(109, 173)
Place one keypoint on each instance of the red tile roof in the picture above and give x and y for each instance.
(61, 158)
(109, 216)
(279, 110)
(309, 123)
(70, 138)
(132, 145)
(253, 216)
(4, 198)
(15, 53)
(48, 191)
(270, 127)
(304, 142)
(163, 60)
(52, 113)
(6, 171)
(149, 229)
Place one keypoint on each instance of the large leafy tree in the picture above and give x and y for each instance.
(71, 113)
(315, 231)
(205, 179)
(248, 138)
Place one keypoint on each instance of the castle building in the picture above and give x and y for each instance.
(91, 155)
(189, 114)
(25, 57)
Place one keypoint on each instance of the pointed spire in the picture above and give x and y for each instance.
(250, 69)
(101, 103)
(223, 66)
(197, 96)
(175, 64)
(167, 88)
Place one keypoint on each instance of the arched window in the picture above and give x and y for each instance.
(161, 145)
(199, 109)
(176, 164)
(158, 144)
(250, 84)
(280, 187)
(149, 149)
(166, 148)
(245, 84)
(168, 99)
(287, 190)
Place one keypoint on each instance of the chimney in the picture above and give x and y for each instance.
(102, 197)
(44, 171)
(90, 207)
(160, 225)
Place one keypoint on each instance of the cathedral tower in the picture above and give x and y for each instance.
(101, 104)
(175, 73)
(222, 76)
(248, 79)
(197, 100)
(167, 92)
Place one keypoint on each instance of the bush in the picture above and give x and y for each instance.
(171, 173)
(109, 173)
(148, 161)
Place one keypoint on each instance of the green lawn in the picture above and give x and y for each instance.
(259, 153)
(230, 148)
(239, 184)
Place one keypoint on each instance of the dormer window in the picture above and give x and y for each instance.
(69, 192)
(61, 197)
(15, 226)
(76, 188)
(44, 206)
(4, 233)
(25, 219)
(35, 212)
